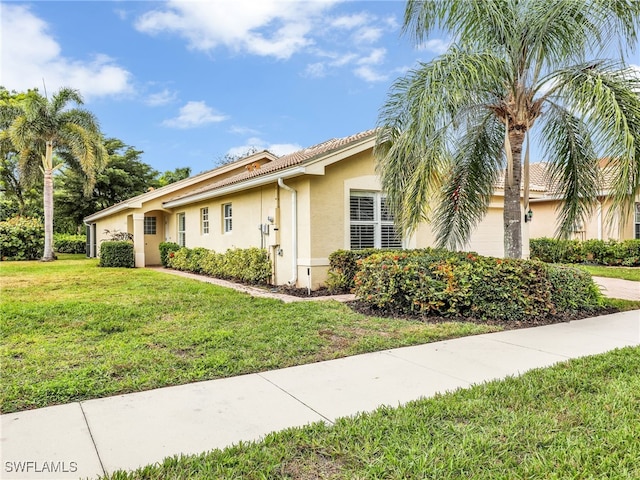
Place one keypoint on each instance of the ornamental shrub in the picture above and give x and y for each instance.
(166, 248)
(64, 243)
(249, 265)
(610, 252)
(438, 282)
(21, 238)
(573, 289)
(117, 254)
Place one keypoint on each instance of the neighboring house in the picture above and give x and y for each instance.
(301, 207)
(600, 225)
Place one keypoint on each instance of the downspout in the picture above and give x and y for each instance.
(599, 210)
(294, 230)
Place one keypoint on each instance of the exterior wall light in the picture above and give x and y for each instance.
(528, 217)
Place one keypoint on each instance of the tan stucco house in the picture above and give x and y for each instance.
(300, 207)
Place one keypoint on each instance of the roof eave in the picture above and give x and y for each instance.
(236, 187)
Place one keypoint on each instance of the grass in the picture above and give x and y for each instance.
(72, 331)
(624, 273)
(578, 419)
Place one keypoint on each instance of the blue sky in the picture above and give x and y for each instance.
(189, 82)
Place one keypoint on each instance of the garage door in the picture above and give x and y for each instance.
(487, 239)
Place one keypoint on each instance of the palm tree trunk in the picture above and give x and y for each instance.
(512, 214)
(48, 204)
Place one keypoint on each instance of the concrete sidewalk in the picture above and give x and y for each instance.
(87, 439)
(618, 288)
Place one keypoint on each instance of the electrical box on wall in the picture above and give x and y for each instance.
(273, 222)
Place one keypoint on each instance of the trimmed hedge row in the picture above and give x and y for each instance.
(611, 252)
(63, 243)
(21, 238)
(166, 249)
(117, 254)
(249, 265)
(439, 282)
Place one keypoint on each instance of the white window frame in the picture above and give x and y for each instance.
(181, 221)
(379, 221)
(636, 223)
(204, 220)
(227, 218)
(150, 225)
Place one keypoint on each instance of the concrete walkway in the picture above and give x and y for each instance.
(89, 438)
(617, 288)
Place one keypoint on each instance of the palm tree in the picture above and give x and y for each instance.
(452, 127)
(44, 127)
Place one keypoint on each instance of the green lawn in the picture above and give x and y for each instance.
(74, 331)
(576, 420)
(625, 273)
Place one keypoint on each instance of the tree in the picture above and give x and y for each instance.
(124, 176)
(450, 127)
(44, 127)
(171, 176)
(17, 195)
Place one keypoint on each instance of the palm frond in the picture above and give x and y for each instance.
(573, 166)
(467, 190)
(607, 95)
(418, 122)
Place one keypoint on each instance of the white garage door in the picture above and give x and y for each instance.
(487, 239)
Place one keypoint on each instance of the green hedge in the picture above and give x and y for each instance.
(437, 282)
(249, 265)
(166, 250)
(611, 252)
(21, 238)
(117, 254)
(64, 243)
(343, 265)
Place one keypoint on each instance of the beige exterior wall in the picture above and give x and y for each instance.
(600, 225)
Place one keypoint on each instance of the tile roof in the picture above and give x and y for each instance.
(299, 157)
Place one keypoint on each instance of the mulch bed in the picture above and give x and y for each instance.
(366, 309)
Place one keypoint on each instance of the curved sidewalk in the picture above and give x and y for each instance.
(617, 288)
(89, 438)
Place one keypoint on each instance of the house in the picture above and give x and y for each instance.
(301, 207)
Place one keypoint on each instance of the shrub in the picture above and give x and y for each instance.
(573, 289)
(64, 243)
(601, 252)
(166, 248)
(21, 238)
(117, 254)
(250, 265)
(439, 282)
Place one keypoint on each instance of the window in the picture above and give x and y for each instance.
(182, 230)
(371, 222)
(204, 220)
(227, 215)
(149, 225)
(637, 221)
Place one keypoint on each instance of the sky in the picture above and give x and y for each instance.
(191, 82)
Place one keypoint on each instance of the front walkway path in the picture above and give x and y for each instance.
(617, 288)
(87, 439)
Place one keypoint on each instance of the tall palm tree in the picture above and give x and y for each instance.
(452, 127)
(44, 127)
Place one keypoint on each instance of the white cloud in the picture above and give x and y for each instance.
(161, 98)
(194, 114)
(270, 27)
(316, 70)
(349, 22)
(367, 35)
(243, 130)
(436, 45)
(258, 144)
(366, 70)
(30, 54)
(370, 74)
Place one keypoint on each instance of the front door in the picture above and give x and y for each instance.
(153, 228)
